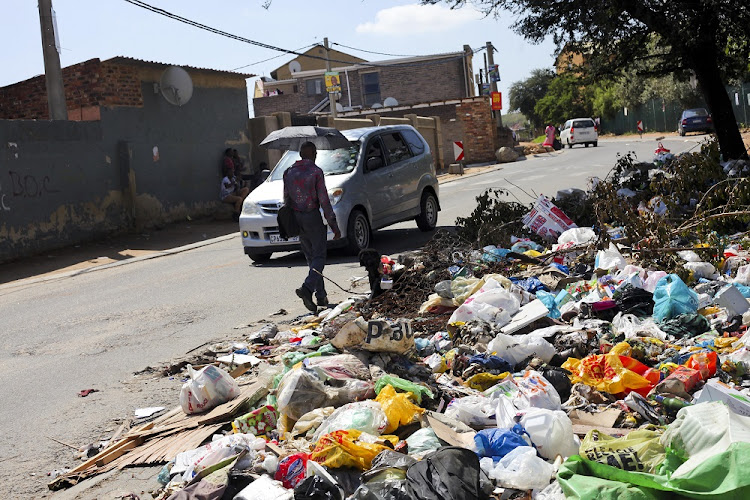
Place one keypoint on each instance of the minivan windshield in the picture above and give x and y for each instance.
(331, 161)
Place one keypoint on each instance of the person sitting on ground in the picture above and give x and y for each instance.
(231, 192)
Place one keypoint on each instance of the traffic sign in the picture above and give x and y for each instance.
(458, 150)
(640, 125)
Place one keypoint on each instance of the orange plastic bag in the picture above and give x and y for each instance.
(612, 373)
(398, 408)
(704, 362)
(350, 448)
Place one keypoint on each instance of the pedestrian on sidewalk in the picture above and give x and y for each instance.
(231, 192)
(305, 191)
(549, 141)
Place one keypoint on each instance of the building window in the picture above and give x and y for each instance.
(370, 88)
(314, 86)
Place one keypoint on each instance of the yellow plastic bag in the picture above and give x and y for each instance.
(639, 451)
(605, 372)
(398, 408)
(346, 449)
(483, 381)
(621, 349)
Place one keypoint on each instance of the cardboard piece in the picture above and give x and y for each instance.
(453, 438)
(715, 390)
(529, 313)
(239, 359)
(606, 418)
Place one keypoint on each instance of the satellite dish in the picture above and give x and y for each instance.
(294, 67)
(376, 105)
(176, 86)
(390, 102)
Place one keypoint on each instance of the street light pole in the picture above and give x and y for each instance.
(493, 84)
(331, 95)
(52, 71)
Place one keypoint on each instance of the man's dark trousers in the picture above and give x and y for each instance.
(312, 238)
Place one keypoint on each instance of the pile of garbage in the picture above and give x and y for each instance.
(546, 367)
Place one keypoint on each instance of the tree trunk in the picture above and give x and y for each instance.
(720, 107)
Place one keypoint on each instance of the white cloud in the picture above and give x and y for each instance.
(410, 19)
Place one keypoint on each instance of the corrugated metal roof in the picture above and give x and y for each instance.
(134, 61)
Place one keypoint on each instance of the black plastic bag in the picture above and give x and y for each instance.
(315, 488)
(287, 222)
(450, 473)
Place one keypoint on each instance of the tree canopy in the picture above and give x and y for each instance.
(709, 39)
(525, 94)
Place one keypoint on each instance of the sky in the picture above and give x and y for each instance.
(103, 29)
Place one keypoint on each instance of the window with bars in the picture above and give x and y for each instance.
(370, 88)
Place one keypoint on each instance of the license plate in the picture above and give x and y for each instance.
(275, 238)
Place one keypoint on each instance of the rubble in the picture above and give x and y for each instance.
(599, 352)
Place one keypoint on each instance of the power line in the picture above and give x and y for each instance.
(162, 12)
(271, 58)
(373, 52)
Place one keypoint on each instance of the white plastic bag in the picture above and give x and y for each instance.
(476, 411)
(520, 469)
(551, 432)
(743, 275)
(536, 392)
(365, 416)
(610, 258)
(632, 326)
(188, 463)
(492, 304)
(209, 387)
(515, 349)
(652, 279)
(701, 269)
(577, 236)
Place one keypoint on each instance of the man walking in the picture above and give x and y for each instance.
(305, 191)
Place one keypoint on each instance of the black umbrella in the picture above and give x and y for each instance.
(291, 138)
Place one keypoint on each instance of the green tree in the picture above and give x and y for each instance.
(525, 94)
(709, 38)
(566, 98)
(605, 99)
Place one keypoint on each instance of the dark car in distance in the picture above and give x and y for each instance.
(695, 120)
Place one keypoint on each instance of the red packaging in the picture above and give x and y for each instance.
(688, 376)
(292, 469)
(704, 362)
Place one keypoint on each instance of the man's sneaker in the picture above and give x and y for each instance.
(322, 301)
(306, 296)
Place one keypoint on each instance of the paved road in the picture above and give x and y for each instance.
(94, 330)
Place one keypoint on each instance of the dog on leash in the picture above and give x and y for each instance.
(369, 258)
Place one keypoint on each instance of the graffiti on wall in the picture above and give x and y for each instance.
(30, 186)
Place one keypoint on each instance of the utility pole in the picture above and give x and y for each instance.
(331, 95)
(493, 84)
(52, 71)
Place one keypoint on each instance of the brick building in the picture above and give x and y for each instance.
(366, 85)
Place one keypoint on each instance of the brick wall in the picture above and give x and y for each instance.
(408, 84)
(88, 85)
(478, 130)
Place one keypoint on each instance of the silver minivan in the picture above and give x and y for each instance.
(579, 131)
(386, 176)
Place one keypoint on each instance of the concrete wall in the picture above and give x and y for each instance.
(67, 182)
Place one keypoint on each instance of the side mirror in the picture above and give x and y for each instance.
(374, 163)
(264, 175)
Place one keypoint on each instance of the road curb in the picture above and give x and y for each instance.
(109, 265)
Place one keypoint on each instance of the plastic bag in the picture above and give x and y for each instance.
(632, 326)
(398, 408)
(577, 236)
(300, 391)
(743, 275)
(259, 422)
(422, 442)
(351, 334)
(389, 336)
(673, 297)
(704, 362)
(491, 303)
(516, 348)
(520, 469)
(475, 411)
(365, 416)
(535, 391)
(350, 448)
(188, 463)
(209, 387)
(496, 443)
(416, 390)
(639, 451)
(339, 366)
(310, 421)
(611, 373)
(292, 469)
(653, 277)
(611, 258)
(462, 288)
(551, 432)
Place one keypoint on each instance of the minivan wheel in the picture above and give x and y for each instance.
(587, 144)
(570, 146)
(357, 232)
(260, 257)
(595, 143)
(427, 218)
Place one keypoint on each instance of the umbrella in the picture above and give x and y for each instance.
(291, 138)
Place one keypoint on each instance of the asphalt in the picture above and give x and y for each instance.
(132, 247)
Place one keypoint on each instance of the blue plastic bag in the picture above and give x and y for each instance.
(496, 443)
(672, 297)
(548, 299)
(490, 362)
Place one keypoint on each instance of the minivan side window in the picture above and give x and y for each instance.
(567, 125)
(396, 147)
(374, 157)
(415, 143)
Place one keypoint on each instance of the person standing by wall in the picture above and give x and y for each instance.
(305, 192)
(550, 133)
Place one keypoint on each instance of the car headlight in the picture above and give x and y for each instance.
(250, 208)
(335, 195)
